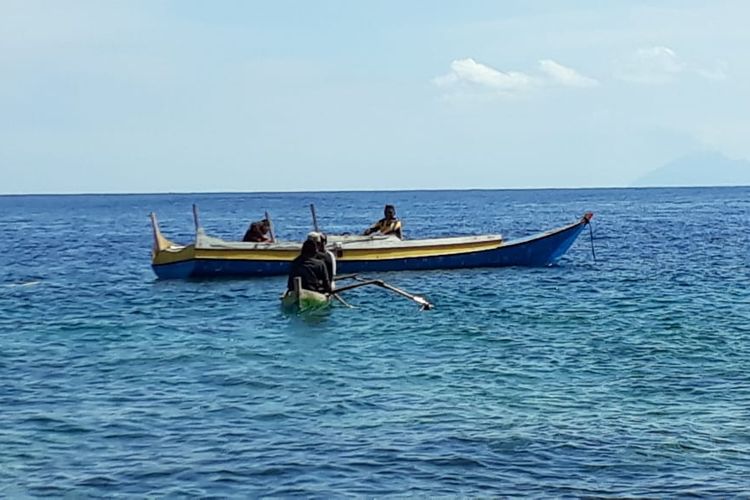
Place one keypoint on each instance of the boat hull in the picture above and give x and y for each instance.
(304, 301)
(540, 250)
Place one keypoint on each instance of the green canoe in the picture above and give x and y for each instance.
(301, 301)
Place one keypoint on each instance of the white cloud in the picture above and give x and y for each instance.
(562, 75)
(467, 74)
(468, 71)
(651, 65)
(719, 72)
(660, 65)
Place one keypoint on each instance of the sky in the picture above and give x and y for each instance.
(189, 96)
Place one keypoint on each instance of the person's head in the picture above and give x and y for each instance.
(262, 225)
(389, 212)
(317, 238)
(309, 248)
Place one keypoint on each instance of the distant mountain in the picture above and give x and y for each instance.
(699, 169)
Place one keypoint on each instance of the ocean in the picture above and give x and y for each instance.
(627, 375)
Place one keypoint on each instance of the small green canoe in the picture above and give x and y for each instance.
(302, 301)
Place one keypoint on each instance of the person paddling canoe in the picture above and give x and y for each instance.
(308, 267)
(387, 225)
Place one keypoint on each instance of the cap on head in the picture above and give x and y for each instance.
(314, 236)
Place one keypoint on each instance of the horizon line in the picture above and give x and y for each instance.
(402, 190)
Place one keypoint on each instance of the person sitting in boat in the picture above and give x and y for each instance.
(321, 240)
(258, 232)
(311, 269)
(388, 224)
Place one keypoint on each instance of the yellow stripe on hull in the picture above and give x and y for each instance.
(190, 252)
(386, 253)
(174, 255)
(227, 254)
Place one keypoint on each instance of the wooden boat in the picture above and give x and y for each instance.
(303, 301)
(209, 257)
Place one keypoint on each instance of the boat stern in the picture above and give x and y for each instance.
(169, 260)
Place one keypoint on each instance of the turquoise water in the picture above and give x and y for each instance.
(627, 376)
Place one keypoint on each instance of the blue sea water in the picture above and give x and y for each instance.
(627, 376)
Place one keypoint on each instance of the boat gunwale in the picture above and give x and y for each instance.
(374, 244)
(424, 242)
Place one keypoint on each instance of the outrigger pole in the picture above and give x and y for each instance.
(421, 301)
(424, 304)
(356, 285)
(345, 303)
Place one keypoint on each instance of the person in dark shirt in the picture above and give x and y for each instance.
(310, 269)
(388, 224)
(258, 232)
(324, 254)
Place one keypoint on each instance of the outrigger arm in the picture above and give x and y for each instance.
(421, 301)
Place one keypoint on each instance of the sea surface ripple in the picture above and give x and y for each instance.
(621, 377)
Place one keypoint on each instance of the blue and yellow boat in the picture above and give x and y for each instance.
(209, 257)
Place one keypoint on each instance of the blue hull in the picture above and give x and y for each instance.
(542, 250)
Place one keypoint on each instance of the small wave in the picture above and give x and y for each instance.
(21, 284)
(99, 481)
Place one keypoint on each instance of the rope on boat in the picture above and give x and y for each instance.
(591, 234)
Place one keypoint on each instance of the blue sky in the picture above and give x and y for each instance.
(273, 96)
